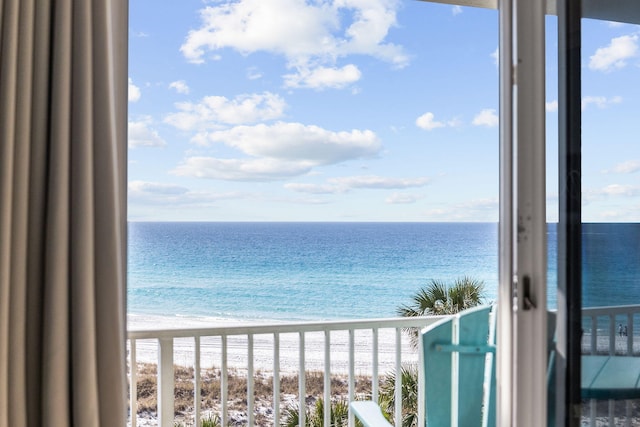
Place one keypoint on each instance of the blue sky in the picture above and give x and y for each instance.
(353, 110)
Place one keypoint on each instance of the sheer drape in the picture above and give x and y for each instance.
(62, 212)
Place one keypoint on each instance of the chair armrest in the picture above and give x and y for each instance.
(369, 413)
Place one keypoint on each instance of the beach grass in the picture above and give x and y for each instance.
(237, 393)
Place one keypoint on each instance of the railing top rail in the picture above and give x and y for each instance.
(316, 326)
(607, 310)
(332, 325)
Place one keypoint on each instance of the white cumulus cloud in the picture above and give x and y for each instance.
(323, 77)
(487, 117)
(134, 91)
(298, 142)
(551, 106)
(427, 121)
(140, 187)
(401, 199)
(473, 210)
(379, 182)
(278, 151)
(629, 166)
(616, 190)
(141, 134)
(172, 195)
(179, 86)
(308, 35)
(495, 55)
(313, 188)
(265, 169)
(615, 55)
(213, 111)
(600, 101)
(346, 184)
(253, 73)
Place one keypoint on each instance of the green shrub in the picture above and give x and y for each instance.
(211, 421)
(409, 376)
(314, 417)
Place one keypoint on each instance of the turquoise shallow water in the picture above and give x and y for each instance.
(308, 271)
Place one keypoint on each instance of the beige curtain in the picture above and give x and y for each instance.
(63, 95)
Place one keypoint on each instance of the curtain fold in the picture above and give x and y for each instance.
(63, 99)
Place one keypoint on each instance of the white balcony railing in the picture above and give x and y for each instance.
(347, 348)
(610, 330)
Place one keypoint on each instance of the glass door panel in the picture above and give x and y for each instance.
(611, 217)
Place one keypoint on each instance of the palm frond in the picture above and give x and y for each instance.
(439, 299)
(466, 293)
(409, 392)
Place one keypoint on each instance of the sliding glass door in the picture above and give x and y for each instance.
(598, 235)
(610, 232)
(585, 175)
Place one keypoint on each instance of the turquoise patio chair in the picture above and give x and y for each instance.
(459, 379)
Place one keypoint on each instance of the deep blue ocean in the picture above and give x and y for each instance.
(313, 271)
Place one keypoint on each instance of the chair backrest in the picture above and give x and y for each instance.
(459, 379)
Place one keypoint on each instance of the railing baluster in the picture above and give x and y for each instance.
(594, 334)
(301, 384)
(612, 334)
(133, 385)
(276, 379)
(196, 382)
(374, 375)
(422, 392)
(327, 378)
(352, 373)
(629, 334)
(165, 382)
(612, 412)
(224, 379)
(398, 385)
(250, 393)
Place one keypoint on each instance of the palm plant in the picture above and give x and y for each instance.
(409, 392)
(438, 298)
(315, 417)
(212, 421)
(435, 299)
(292, 417)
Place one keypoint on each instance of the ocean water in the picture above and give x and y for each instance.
(314, 271)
